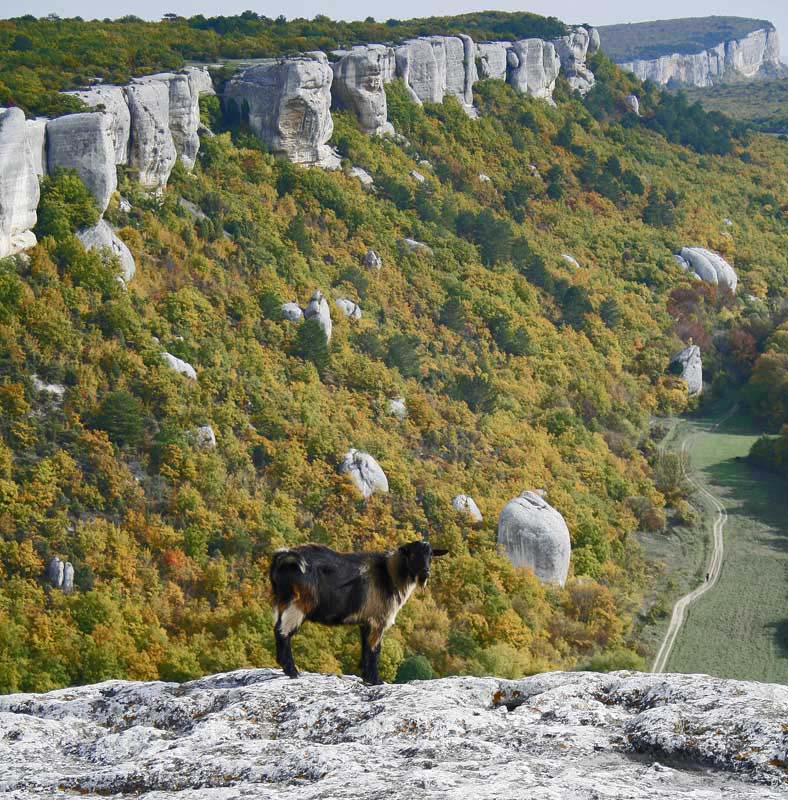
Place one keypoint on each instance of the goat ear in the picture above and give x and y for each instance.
(436, 553)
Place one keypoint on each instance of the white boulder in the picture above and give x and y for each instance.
(60, 575)
(633, 104)
(691, 365)
(102, 237)
(204, 438)
(534, 535)
(318, 309)
(571, 260)
(19, 191)
(372, 260)
(466, 505)
(417, 247)
(710, 267)
(348, 307)
(85, 143)
(365, 472)
(56, 389)
(366, 179)
(292, 312)
(397, 407)
(178, 365)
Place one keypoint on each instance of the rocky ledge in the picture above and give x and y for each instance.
(253, 733)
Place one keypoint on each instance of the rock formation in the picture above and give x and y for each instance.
(358, 85)
(397, 407)
(56, 389)
(102, 237)
(372, 260)
(255, 733)
(318, 309)
(758, 52)
(492, 60)
(709, 267)
(287, 102)
(572, 50)
(689, 365)
(60, 575)
(533, 67)
(19, 190)
(292, 312)
(466, 505)
(203, 437)
(36, 131)
(152, 152)
(112, 100)
(200, 80)
(348, 307)
(416, 247)
(533, 534)
(366, 179)
(365, 472)
(84, 142)
(633, 104)
(180, 366)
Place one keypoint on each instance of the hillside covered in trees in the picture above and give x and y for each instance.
(530, 342)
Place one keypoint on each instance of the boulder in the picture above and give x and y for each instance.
(492, 59)
(112, 101)
(534, 535)
(366, 179)
(204, 438)
(19, 191)
(690, 365)
(397, 407)
(180, 366)
(417, 176)
(68, 578)
(484, 178)
(348, 307)
(102, 237)
(710, 267)
(416, 247)
(365, 472)
(292, 312)
(633, 104)
(288, 102)
(318, 309)
(56, 389)
(152, 152)
(533, 67)
(55, 572)
(254, 733)
(36, 130)
(466, 505)
(372, 260)
(572, 50)
(571, 260)
(85, 143)
(358, 85)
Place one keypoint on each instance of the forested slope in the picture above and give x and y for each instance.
(519, 371)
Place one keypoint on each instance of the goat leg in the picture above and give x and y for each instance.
(284, 653)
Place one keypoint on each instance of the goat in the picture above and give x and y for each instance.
(315, 583)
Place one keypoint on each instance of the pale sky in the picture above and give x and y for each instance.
(574, 11)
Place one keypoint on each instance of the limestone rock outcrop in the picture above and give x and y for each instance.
(492, 60)
(203, 437)
(288, 102)
(85, 143)
(372, 260)
(709, 267)
(152, 151)
(467, 505)
(533, 534)
(397, 407)
(200, 80)
(358, 85)
(348, 307)
(254, 733)
(689, 365)
(318, 309)
(112, 99)
(572, 50)
(19, 190)
(102, 237)
(292, 312)
(179, 365)
(633, 104)
(60, 575)
(365, 472)
(416, 247)
(756, 53)
(36, 130)
(55, 389)
(533, 67)
(366, 179)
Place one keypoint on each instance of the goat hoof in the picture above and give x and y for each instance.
(291, 673)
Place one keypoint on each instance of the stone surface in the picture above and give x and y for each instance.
(348, 307)
(572, 50)
(255, 734)
(152, 152)
(689, 360)
(466, 505)
(178, 365)
(112, 100)
(593, 40)
(60, 575)
(19, 190)
(416, 247)
(68, 577)
(492, 60)
(358, 85)
(571, 260)
(366, 179)
(710, 267)
(372, 260)
(533, 67)
(288, 103)
(397, 407)
(756, 53)
(204, 438)
(200, 80)
(292, 312)
(84, 142)
(36, 131)
(633, 104)
(56, 389)
(318, 309)
(102, 237)
(533, 534)
(417, 176)
(365, 472)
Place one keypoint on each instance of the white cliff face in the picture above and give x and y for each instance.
(358, 85)
(19, 190)
(200, 80)
(572, 50)
(533, 534)
(102, 237)
(254, 733)
(758, 52)
(152, 152)
(691, 365)
(533, 67)
(288, 103)
(492, 60)
(36, 131)
(113, 101)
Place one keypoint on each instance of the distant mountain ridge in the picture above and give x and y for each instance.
(700, 51)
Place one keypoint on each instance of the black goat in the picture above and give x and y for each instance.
(315, 583)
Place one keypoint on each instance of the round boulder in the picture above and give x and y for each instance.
(466, 505)
(365, 472)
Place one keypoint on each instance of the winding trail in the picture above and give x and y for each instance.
(715, 562)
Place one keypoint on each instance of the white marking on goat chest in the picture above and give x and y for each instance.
(290, 620)
(397, 602)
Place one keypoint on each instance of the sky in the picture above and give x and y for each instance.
(574, 11)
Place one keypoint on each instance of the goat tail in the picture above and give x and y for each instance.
(283, 566)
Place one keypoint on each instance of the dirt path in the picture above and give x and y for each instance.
(715, 562)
